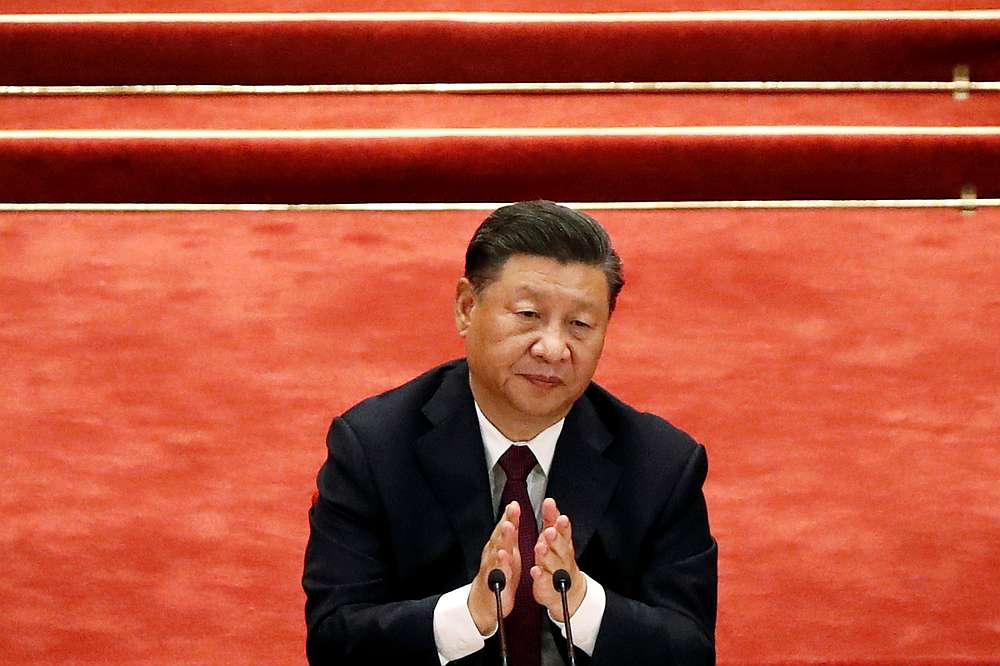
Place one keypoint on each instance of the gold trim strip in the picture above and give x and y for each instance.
(531, 132)
(495, 88)
(965, 204)
(514, 17)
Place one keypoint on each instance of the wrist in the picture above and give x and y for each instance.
(483, 615)
(574, 599)
(574, 605)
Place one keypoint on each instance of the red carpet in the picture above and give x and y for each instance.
(350, 111)
(462, 166)
(407, 51)
(168, 380)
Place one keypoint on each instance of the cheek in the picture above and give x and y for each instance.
(513, 347)
(509, 336)
(586, 354)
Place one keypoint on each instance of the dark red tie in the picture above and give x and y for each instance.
(524, 624)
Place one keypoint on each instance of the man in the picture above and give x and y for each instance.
(405, 531)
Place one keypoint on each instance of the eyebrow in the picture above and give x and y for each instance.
(534, 293)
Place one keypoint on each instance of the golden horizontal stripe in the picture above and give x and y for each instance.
(493, 88)
(474, 132)
(514, 17)
(477, 206)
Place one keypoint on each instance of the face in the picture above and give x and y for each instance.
(533, 337)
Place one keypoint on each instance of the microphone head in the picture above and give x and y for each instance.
(561, 580)
(497, 580)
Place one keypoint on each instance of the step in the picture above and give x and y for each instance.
(386, 111)
(383, 48)
(289, 6)
(498, 164)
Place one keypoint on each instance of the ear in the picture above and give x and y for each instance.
(465, 301)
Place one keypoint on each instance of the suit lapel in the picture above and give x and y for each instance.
(582, 479)
(454, 463)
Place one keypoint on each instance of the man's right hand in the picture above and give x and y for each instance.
(500, 552)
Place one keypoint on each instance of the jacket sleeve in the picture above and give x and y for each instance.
(671, 619)
(353, 613)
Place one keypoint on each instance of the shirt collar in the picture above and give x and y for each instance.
(543, 445)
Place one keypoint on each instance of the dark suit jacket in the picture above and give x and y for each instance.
(405, 508)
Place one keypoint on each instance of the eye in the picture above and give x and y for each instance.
(581, 324)
(527, 314)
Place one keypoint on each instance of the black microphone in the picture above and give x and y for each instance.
(562, 582)
(497, 581)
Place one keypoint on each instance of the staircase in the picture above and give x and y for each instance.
(218, 218)
(416, 107)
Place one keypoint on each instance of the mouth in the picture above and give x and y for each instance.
(543, 381)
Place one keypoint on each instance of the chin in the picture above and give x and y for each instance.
(532, 406)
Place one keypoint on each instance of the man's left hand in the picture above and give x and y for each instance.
(553, 551)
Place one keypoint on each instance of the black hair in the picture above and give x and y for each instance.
(544, 229)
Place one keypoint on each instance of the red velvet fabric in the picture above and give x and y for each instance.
(168, 379)
(420, 110)
(464, 168)
(441, 51)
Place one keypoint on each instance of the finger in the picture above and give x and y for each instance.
(499, 554)
(508, 536)
(515, 554)
(555, 555)
(504, 537)
(504, 517)
(506, 565)
(562, 524)
(565, 529)
(544, 557)
(504, 562)
(550, 512)
(559, 541)
(512, 513)
(510, 517)
(495, 543)
(560, 528)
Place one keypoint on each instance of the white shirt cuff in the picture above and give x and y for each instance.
(587, 618)
(455, 632)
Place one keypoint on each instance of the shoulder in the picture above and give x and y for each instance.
(641, 439)
(665, 467)
(399, 410)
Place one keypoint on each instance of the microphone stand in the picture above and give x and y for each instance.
(497, 582)
(562, 582)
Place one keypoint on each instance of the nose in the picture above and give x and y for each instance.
(551, 346)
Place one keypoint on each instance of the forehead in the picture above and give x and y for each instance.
(544, 277)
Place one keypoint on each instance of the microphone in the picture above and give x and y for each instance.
(562, 582)
(497, 581)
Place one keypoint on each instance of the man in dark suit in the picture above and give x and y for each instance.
(406, 530)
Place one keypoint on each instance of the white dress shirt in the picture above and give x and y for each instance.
(455, 633)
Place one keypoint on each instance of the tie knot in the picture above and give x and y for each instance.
(517, 461)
